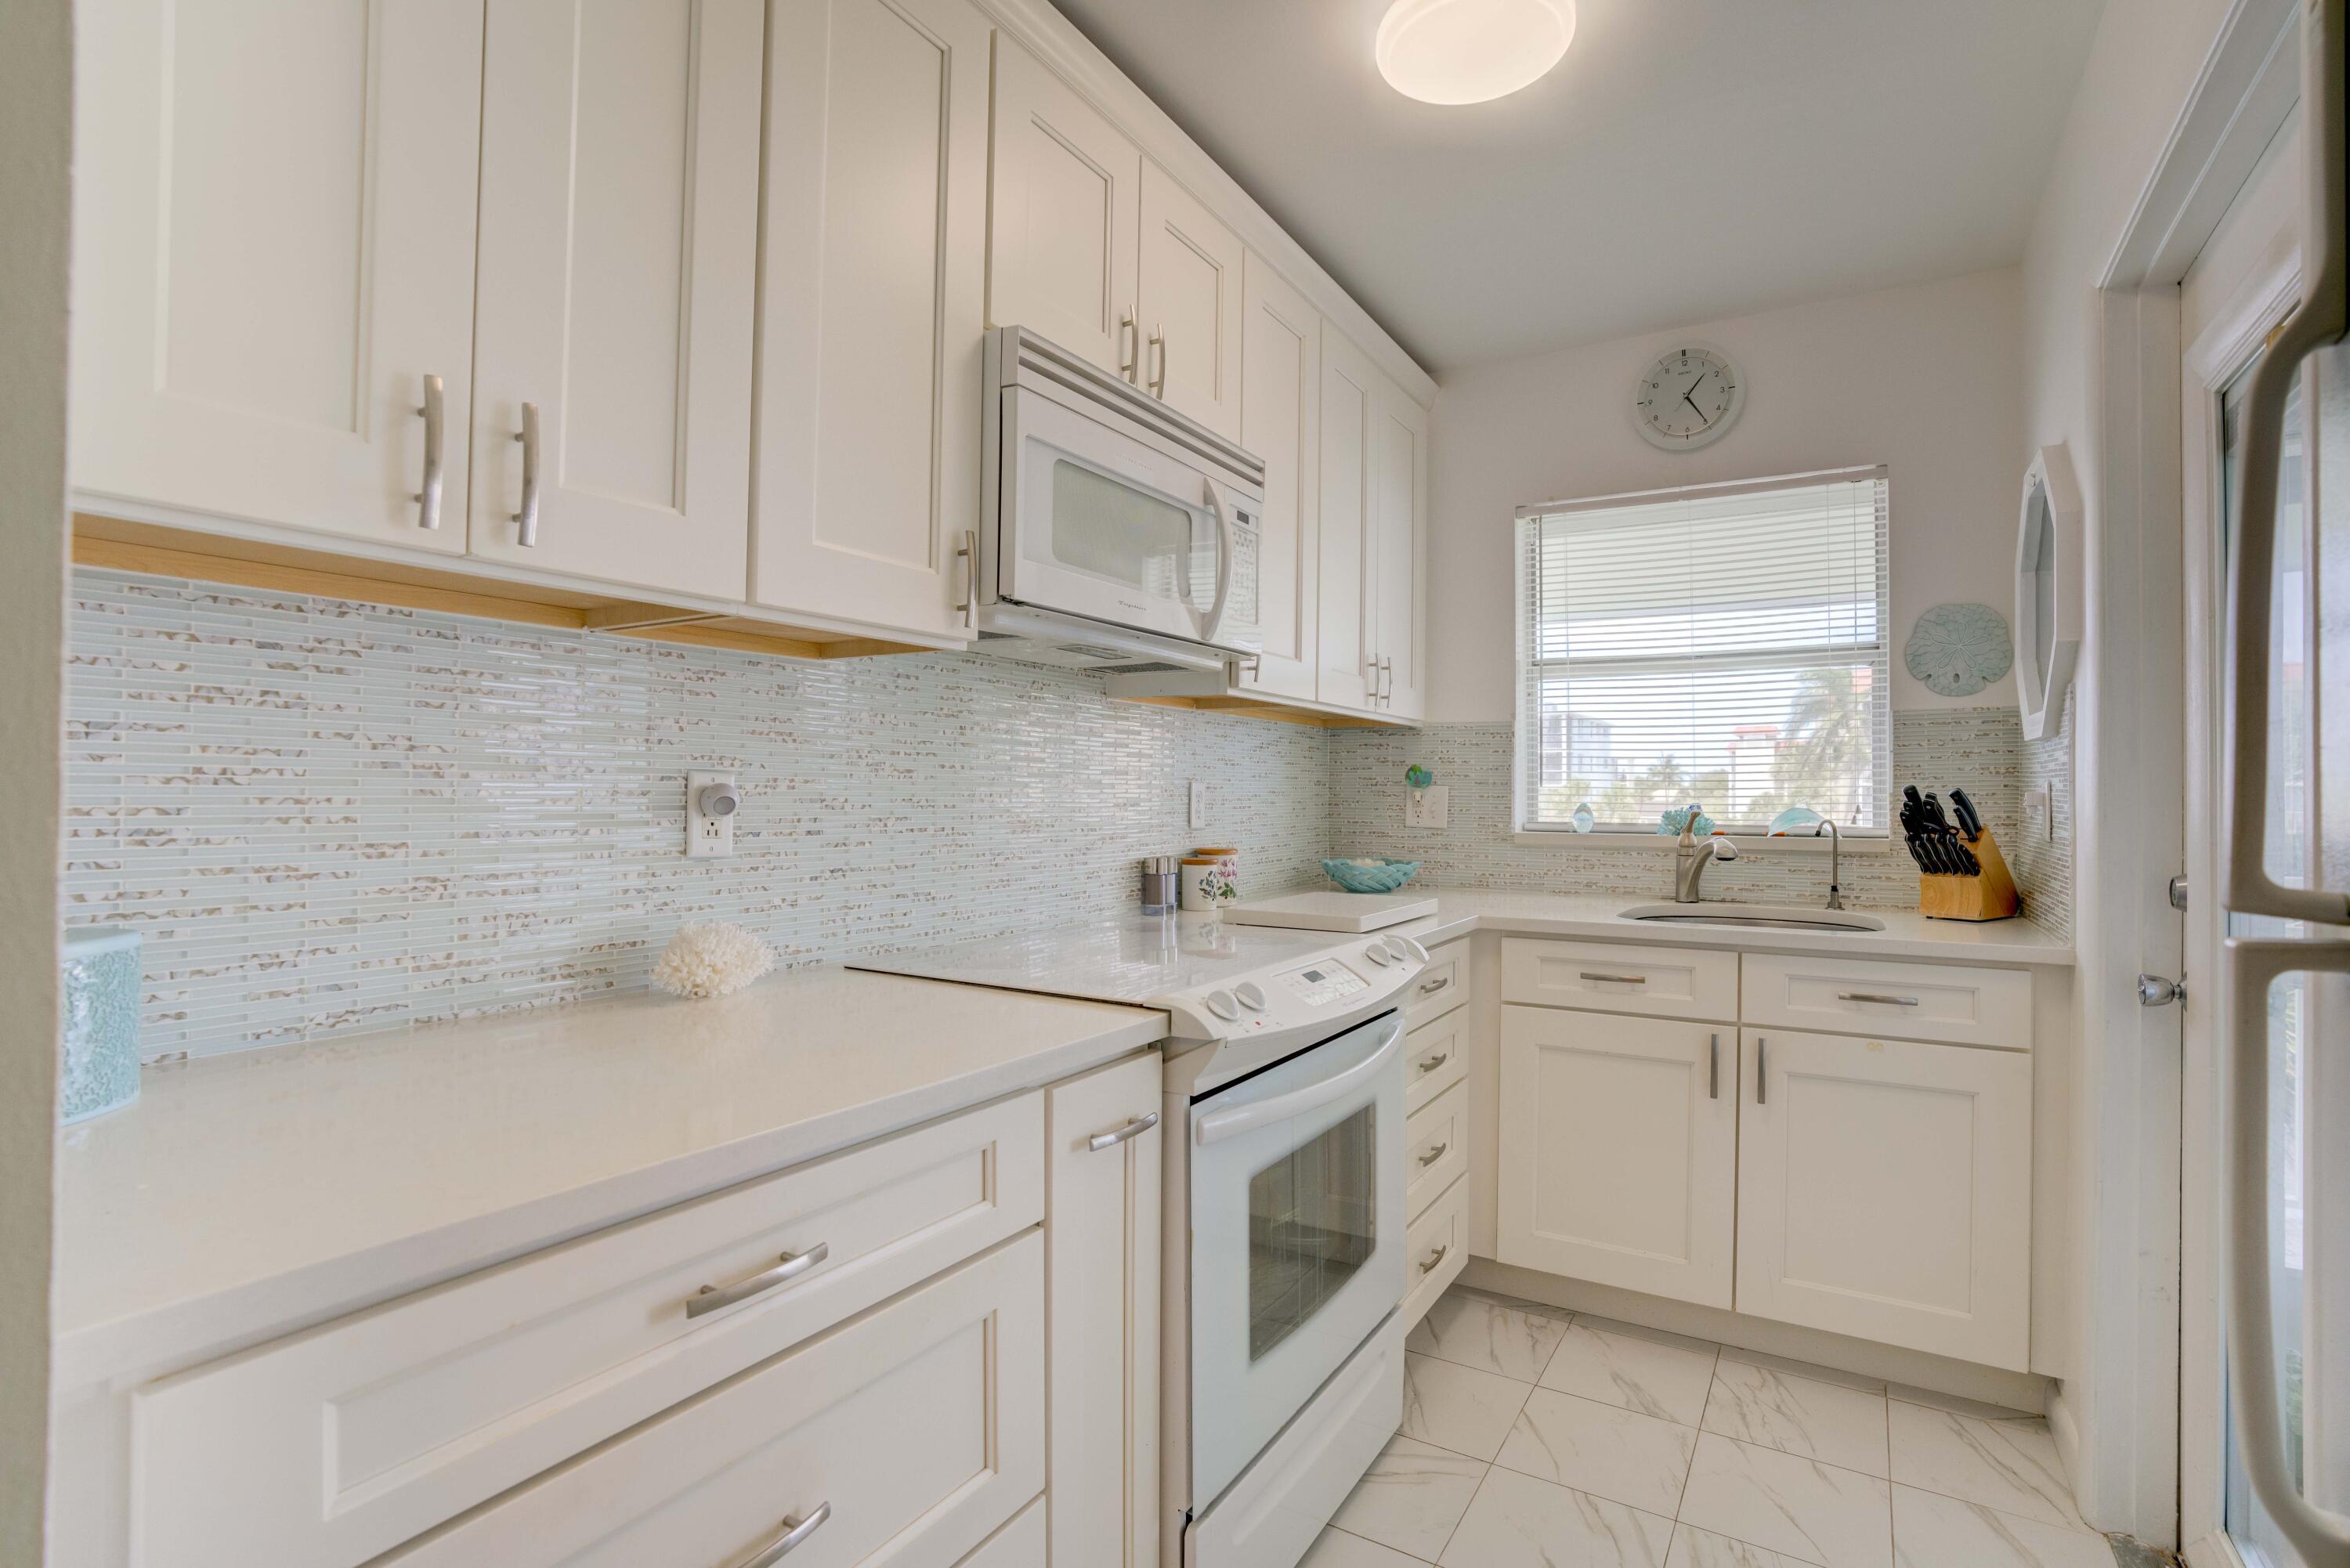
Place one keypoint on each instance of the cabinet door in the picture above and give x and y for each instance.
(619, 278)
(1102, 1232)
(1618, 1150)
(1063, 218)
(1885, 1192)
(875, 264)
(1189, 301)
(1347, 623)
(1400, 529)
(273, 249)
(1280, 410)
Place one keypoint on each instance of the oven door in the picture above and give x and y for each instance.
(1117, 524)
(1296, 1197)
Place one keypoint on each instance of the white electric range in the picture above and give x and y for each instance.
(1283, 1371)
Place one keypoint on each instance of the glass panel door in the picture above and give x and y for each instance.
(1312, 1221)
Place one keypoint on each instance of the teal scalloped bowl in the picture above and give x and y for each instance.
(1380, 876)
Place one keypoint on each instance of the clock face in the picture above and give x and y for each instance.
(1688, 397)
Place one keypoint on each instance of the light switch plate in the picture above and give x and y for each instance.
(1198, 802)
(707, 837)
(1427, 807)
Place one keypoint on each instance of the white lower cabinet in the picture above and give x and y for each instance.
(906, 1437)
(1102, 1213)
(1436, 1251)
(1618, 1150)
(1885, 1192)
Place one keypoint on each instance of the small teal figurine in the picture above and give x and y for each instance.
(1671, 822)
(1582, 819)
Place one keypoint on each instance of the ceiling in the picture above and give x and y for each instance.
(1689, 160)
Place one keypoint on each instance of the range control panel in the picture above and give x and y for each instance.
(1323, 982)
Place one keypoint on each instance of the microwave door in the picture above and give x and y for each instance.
(1099, 523)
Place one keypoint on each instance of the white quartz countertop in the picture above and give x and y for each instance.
(251, 1194)
(1595, 917)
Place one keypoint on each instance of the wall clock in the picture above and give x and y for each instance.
(1689, 396)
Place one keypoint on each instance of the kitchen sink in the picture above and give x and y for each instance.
(1764, 917)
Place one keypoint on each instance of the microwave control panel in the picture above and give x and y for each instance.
(1323, 982)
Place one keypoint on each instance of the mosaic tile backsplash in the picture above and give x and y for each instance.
(327, 818)
(1979, 750)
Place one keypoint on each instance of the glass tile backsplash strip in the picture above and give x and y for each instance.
(326, 817)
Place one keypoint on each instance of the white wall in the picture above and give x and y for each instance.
(35, 130)
(1923, 380)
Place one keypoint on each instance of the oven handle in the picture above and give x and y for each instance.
(1214, 621)
(1218, 1125)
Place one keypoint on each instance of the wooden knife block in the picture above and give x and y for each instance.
(1989, 897)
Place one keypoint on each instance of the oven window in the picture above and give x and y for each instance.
(1310, 1228)
(1128, 535)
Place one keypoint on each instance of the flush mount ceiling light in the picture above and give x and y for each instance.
(1468, 51)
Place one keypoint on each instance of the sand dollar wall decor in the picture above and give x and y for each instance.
(1956, 651)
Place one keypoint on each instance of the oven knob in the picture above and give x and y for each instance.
(1407, 947)
(1224, 1005)
(1251, 995)
(1377, 953)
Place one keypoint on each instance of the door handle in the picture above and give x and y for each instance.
(771, 1551)
(1133, 1129)
(1226, 546)
(711, 1298)
(428, 499)
(1217, 1125)
(527, 520)
(1159, 381)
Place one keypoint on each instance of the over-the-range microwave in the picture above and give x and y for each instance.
(1115, 534)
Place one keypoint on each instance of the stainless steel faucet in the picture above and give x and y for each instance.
(1690, 858)
(1835, 856)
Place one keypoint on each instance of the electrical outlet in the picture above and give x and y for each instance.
(1198, 802)
(1426, 807)
(711, 804)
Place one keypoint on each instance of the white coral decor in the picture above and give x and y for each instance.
(711, 959)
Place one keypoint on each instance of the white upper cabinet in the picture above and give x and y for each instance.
(273, 250)
(1281, 415)
(620, 189)
(871, 309)
(1064, 218)
(1347, 633)
(1399, 532)
(1189, 303)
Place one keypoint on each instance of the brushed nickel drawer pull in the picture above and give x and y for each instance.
(795, 1532)
(1433, 1155)
(970, 554)
(1762, 1067)
(1713, 1066)
(428, 500)
(527, 520)
(1431, 987)
(710, 1298)
(1618, 979)
(1877, 996)
(1135, 1128)
(1435, 1258)
(1431, 1064)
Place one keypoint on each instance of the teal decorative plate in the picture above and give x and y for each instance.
(1958, 650)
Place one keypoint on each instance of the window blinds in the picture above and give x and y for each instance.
(1725, 644)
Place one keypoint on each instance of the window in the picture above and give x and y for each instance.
(1723, 644)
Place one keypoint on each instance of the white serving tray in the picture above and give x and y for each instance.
(1332, 910)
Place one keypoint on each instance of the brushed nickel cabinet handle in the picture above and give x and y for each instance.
(1127, 333)
(970, 554)
(1713, 1066)
(1431, 1064)
(1431, 987)
(1762, 1068)
(1433, 1155)
(1132, 1129)
(1877, 996)
(1159, 382)
(794, 1531)
(1615, 979)
(710, 1298)
(1435, 1258)
(428, 499)
(527, 531)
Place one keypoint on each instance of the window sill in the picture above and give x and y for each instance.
(1662, 843)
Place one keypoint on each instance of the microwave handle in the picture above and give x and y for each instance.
(1231, 1122)
(1225, 545)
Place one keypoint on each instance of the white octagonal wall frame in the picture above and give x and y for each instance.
(2047, 590)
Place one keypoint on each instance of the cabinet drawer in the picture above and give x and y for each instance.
(1610, 977)
(1908, 1001)
(332, 1445)
(1436, 1142)
(1019, 1544)
(1437, 1250)
(1442, 986)
(1434, 1058)
(920, 1428)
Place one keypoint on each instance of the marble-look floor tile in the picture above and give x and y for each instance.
(1518, 1522)
(1930, 1531)
(1798, 1507)
(1797, 1415)
(1459, 1407)
(1336, 1549)
(1957, 1403)
(1487, 1335)
(2010, 1466)
(1811, 1369)
(1618, 1454)
(1412, 1497)
(1653, 1377)
(1695, 1548)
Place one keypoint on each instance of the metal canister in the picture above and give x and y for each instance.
(1158, 884)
